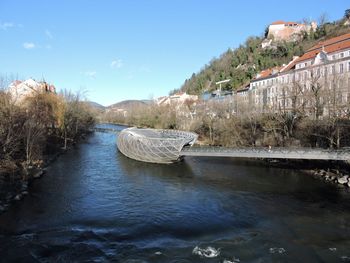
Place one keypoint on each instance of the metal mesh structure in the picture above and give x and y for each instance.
(152, 145)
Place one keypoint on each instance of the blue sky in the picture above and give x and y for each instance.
(118, 50)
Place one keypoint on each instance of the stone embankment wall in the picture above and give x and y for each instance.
(335, 177)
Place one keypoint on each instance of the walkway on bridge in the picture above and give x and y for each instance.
(107, 130)
(273, 153)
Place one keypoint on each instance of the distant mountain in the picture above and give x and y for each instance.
(127, 104)
(96, 105)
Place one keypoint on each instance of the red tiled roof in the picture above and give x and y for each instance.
(331, 41)
(17, 82)
(267, 72)
(281, 22)
(244, 87)
(330, 46)
(290, 65)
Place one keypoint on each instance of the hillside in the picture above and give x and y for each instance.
(95, 105)
(242, 64)
(127, 104)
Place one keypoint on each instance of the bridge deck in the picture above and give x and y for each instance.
(107, 130)
(274, 153)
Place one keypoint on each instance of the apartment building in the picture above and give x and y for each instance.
(317, 82)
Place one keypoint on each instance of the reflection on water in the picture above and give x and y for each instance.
(96, 205)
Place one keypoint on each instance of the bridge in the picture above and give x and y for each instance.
(273, 153)
(166, 146)
(107, 130)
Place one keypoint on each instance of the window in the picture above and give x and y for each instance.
(333, 69)
(341, 55)
(325, 71)
(333, 57)
(349, 66)
(305, 64)
(341, 68)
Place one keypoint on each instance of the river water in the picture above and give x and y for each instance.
(95, 205)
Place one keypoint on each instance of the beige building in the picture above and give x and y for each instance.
(19, 90)
(289, 31)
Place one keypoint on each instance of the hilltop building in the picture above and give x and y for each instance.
(178, 99)
(288, 31)
(19, 90)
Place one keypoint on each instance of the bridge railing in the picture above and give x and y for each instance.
(265, 152)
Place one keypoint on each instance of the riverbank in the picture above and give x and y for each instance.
(14, 187)
(332, 176)
(333, 172)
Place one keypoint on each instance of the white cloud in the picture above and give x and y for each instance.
(90, 74)
(118, 63)
(29, 45)
(48, 34)
(6, 25)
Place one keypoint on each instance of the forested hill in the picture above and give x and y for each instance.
(243, 63)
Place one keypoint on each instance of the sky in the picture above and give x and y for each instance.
(114, 50)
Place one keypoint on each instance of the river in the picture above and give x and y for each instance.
(96, 205)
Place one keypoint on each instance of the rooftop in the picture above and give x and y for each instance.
(329, 46)
(281, 22)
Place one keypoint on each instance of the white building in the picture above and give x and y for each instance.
(318, 79)
(177, 100)
(19, 90)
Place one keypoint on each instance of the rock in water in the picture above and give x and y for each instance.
(208, 252)
(343, 180)
(18, 197)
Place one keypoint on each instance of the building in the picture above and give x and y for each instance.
(243, 98)
(317, 82)
(288, 31)
(178, 99)
(19, 90)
